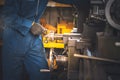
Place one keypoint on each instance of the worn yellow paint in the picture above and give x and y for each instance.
(53, 45)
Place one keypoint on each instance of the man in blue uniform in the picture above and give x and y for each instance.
(22, 45)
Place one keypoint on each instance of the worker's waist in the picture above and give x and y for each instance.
(23, 21)
(15, 19)
(18, 23)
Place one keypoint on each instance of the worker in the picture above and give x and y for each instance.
(23, 51)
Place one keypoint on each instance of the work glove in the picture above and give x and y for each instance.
(38, 29)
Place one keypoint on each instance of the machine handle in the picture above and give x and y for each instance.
(96, 58)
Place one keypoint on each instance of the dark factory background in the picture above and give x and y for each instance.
(83, 40)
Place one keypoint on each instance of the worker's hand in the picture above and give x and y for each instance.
(37, 29)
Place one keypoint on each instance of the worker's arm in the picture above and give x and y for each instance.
(21, 13)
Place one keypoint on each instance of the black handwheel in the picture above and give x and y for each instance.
(112, 13)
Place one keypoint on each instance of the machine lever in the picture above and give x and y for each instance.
(96, 58)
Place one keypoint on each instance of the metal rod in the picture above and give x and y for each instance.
(96, 58)
(44, 70)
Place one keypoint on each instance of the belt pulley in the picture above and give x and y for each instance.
(112, 13)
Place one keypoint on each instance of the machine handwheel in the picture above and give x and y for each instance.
(112, 13)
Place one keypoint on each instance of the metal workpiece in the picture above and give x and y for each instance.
(71, 38)
(71, 34)
(68, 36)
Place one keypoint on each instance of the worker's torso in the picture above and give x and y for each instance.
(24, 8)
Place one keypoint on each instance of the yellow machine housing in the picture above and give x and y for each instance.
(55, 40)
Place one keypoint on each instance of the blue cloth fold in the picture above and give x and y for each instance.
(23, 25)
(24, 22)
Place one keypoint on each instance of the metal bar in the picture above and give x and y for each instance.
(96, 58)
(44, 70)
